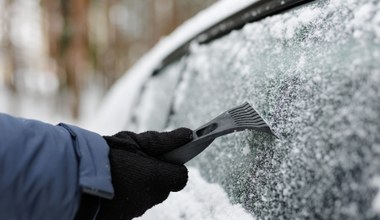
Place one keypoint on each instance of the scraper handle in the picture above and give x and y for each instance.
(186, 152)
(202, 138)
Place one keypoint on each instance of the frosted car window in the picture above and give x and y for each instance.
(313, 73)
(153, 109)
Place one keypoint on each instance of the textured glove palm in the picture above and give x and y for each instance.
(141, 180)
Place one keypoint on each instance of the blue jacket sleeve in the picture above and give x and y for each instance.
(44, 169)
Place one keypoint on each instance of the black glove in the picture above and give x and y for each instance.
(140, 180)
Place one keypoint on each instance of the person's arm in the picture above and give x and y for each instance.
(45, 168)
(47, 172)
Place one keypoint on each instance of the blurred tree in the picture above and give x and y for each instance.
(107, 37)
(9, 56)
(68, 45)
(133, 27)
(74, 47)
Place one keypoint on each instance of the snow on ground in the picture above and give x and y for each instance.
(199, 200)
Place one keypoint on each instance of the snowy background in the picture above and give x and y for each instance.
(59, 58)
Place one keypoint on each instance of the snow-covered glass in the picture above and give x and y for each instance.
(314, 74)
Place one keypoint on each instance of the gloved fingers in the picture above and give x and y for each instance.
(173, 177)
(157, 143)
(147, 171)
(122, 141)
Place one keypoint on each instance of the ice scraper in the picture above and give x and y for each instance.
(240, 118)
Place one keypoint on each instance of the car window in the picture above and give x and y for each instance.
(313, 73)
(154, 108)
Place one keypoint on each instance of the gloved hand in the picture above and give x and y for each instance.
(139, 178)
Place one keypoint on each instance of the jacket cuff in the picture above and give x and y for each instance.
(94, 166)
